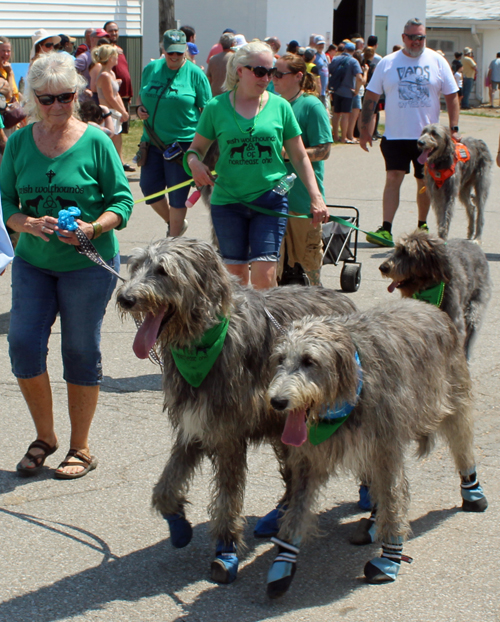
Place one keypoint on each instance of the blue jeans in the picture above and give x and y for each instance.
(158, 174)
(80, 297)
(467, 89)
(245, 235)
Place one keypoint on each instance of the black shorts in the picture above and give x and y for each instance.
(341, 104)
(399, 153)
(125, 125)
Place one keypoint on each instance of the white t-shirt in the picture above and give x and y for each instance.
(412, 88)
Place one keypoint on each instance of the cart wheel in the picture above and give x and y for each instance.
(350, 277)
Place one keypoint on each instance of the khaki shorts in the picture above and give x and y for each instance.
(304, 245)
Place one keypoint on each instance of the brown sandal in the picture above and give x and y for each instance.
(37, 459)
(76, 457)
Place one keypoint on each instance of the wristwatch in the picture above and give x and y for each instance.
(454, 128)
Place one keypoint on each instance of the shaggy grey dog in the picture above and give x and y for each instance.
(421, 261)
(412, 384)
(181, 288)
(470, 181)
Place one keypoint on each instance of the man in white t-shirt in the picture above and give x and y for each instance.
(412, 81)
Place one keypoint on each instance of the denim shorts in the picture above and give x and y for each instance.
(158, 174)
(245, 235)
(80, 297)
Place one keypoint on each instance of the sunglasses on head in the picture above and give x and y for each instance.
(280, 74)
(260, 72)
(48, 100)
(415, 37)
(47, 45)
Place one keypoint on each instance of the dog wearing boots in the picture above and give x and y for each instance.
(454, 170)
(453, 276)
(354, 392)
(215, 340)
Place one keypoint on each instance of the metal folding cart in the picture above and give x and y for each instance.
(340, 243)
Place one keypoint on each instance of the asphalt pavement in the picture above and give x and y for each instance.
(92, 549)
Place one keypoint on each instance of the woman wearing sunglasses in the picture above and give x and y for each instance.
(251, 126)
(42, 43)
(303, 239)
(55, 162)
(173, 93)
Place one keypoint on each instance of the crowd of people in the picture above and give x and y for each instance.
(266, 118)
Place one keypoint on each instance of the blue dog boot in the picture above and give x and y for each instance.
(282, 571)
(385, 569)
(365, 502)
(267, 526)
(474, 499)
(181, 531)
(224, 568)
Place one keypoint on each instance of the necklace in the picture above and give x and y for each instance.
(251, 129)
(295, 97)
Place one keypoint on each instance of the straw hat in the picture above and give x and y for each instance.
(41, 35)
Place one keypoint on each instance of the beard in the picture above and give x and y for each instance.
(414, 53)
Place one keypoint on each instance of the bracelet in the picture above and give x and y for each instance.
(105, 116)
(184, 161)
(97, 229)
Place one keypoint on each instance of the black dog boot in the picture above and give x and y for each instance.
(282, 571)
(385, 569)
(474, 499)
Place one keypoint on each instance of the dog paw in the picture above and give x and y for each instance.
(224, 568)
(381, 570)
(479, 505)
(181, 531)
(364, 533)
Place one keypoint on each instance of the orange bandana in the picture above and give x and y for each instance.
(442, 174)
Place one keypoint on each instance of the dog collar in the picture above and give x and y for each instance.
(440, 175)
(335, 416)
(433, 295)
(195, 363)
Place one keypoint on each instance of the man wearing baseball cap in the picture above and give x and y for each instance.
(321, 62)
(66, 44)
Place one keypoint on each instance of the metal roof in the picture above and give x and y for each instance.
(467, 10)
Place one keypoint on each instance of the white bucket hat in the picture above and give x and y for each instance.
(41, 35)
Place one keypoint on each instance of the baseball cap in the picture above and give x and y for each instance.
(99, 32)
(233, 32)
(372, 41)
(349, 46)
(293, 43)
(319, 39)
(66, 39)
(309, 54)
(174, 41)
(193, 49)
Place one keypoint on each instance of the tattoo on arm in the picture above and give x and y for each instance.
(367, 111)
(319, 152)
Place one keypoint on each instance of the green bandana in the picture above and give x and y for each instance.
(194, 363)
(432, 295)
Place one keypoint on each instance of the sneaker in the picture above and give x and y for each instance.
(424, 227)
(185, 225)
(382, 233)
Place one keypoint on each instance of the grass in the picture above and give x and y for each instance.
(131, 140)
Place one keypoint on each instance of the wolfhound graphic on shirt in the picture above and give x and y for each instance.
(414, 91)
(252, 150)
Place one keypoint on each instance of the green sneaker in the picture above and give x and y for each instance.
(424, 227)
(382, 235)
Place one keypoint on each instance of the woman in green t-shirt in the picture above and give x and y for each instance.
(251, 126)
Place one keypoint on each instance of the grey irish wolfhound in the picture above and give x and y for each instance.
(469, 180)
(403, 368)
(181, 289)
(454, 276)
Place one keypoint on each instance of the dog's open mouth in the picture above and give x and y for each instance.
(398, 285)
(149, 332)
(295, 432)
(424, 156)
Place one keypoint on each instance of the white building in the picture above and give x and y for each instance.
(386, 19)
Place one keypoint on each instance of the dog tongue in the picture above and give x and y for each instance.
(422, 158)
(392, 286)
(295, 432)
(147, 334)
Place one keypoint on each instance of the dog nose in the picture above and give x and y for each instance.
(279, 403)
(420, 143)
(126, 301)
(384, 268)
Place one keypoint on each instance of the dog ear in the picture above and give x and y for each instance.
(439, 263)
(345, 371)
(137, 256)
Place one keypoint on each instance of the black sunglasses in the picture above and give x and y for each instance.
(175, 53)
(48, 100)
(260, 72)
(415, 37)
(48, 45)
(280, 74)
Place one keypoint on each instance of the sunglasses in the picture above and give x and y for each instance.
(415, 37)
(47, 45)
(63, 98)
(260, 72)
(175, 53)
(280, 74)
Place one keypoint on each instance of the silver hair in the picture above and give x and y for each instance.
(412, 22)
(243, 56)
(55, 70)
(181, 287)
(227, 40)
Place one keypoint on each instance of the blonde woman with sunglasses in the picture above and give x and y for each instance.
(55, 162)
(251, 126)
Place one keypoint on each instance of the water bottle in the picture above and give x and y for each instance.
(285, 184)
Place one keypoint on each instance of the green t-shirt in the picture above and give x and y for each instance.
(249, 164)
(316, 130)
(88, 175)
(179, 107)
(2, 124)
